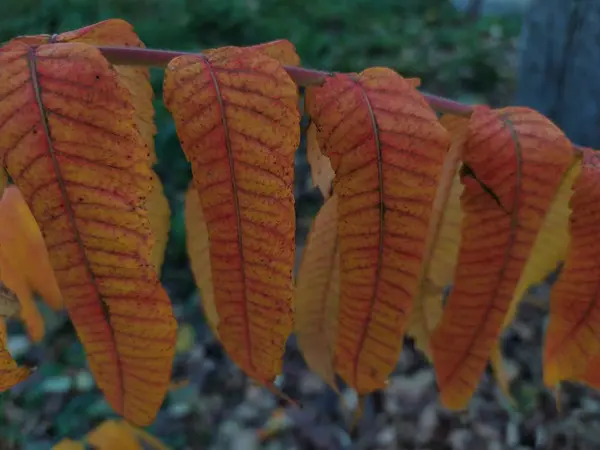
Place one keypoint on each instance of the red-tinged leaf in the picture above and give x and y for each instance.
(136, 78)
(238, 122)
(320, 166)
(572, 344)
(387, 149)
(317, 292)
(517, 158)
(198, 244)
(549, 249)
(443, 240)
(70, 143)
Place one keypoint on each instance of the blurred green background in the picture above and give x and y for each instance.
(468, 59)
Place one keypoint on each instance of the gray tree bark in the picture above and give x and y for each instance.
(559, 66)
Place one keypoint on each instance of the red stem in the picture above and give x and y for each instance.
(135, 56)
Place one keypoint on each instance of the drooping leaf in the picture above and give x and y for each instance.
(238, 122)
(137, 80)
(320, 167)
(16, 282)
(317, 292)
(159, 216)
(196, 233)
(572, 342)
(518, 158)
(70, 143)
(549, 249)
(443, 240)
(23, 248)
(387, 149)
(10, 373)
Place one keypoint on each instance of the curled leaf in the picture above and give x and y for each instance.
(387, 149)
(320, 167)
(198, 245)
(516, 161)
(316, 296)
(159, 217)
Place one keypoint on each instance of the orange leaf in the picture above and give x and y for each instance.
(22, 246)
(519, 156)
(70, 143)
(10, 373)
(443, 240)
(137, 80)
(238, 122)
(317, 292)
(572, 342)
(387, 149)
(196, 233)
(282, 50)
(320, 166)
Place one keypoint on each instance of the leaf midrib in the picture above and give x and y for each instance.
(238, 218)
(375, 128)
(32, 64)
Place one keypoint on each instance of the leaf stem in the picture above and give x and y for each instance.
(135, 56)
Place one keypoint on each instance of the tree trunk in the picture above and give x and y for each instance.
(559, 67)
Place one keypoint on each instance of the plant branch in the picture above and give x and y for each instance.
(135, 56)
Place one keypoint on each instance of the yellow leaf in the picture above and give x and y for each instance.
(198, 253)
(113, 434)
(316, 296)
(549, 249)
(443, 240)
(159, 216)
(69, 444)
(23, 247)
(10, 373)
(517, 160)
(571, 343)
(320, 166)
